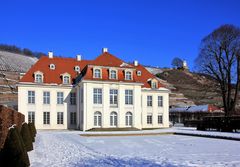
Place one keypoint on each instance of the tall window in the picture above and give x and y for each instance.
(46, 97)
(160, 101)
(59, 97)
(97, 119)
(160, 119)
(31, 116)
(66, 79)
(154, 84)
(97, 96)
(73, 118)
(97, 73)
(113, 119)
(149, 119)
(113, 74)
(59, 117)
(31, 97)
(46, 117)
(149, 101)
(128, 119)
(128, 75)
(38, 78)
(113, 96)
(129, 97)
(73, 98)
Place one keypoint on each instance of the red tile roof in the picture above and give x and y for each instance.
(105, 60)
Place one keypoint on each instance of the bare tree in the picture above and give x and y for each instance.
(177, 62)
(219, 57)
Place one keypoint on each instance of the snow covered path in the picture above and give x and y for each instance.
(68, 149)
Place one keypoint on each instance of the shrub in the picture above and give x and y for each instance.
(31, 132)
(33, 128)
(14, 153)
(26, 136)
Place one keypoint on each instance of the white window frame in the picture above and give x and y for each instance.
(127, 76)
(64, 80)
(52, 66)
(46, 97)
(149, 100)
(128, 97)
(46, 117)
(95, 74)
(77, 69)
(60, 116)
(129, 119)
(97, 119)
(160, 118)
(149, 119)
(97, 95)
(139, 73)
(111, 75)
(60, 97)
(31, 97)
(113, 93)
(113, 119)
(154, 84)
(31, 117)
(160, 101)
(38, 77)
(73, 98)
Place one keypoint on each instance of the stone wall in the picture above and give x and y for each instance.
(8, 117)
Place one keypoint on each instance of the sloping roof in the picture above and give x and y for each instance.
(199, 108)
(105, 60)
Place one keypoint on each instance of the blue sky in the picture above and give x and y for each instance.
(151, 31)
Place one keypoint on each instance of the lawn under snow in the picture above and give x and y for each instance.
(68, 148)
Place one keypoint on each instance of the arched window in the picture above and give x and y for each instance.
(66, 79)
(97, 119)
(128, 119)
(128, 75)
(113, 119)
(113, 74)
(38, 78)
(97, 73)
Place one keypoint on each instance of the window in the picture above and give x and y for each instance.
(128, 75)
(59, 117)
(128, 119)
(113, 74)
(59, 97)
(52, 66)
(73, 118)
(46, 117)
(81, 92)
(113, 119)
(77, 68)
(31, 116)
(97, 73)
(97, 96)
(46, 97)
(38, 78)
(154, 84)
(31, 97)
(97, 119)
(73, 98)
(160, 119)
(139, 73)
(113, 97)
(160, 101)
(149, 119)
(149, 101)
(129, 97)
(66, 79)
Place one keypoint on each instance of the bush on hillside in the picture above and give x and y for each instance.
(14, 153)
(26, 136)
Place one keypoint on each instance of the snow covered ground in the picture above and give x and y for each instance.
(68, 149)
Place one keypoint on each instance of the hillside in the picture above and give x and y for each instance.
(190, 88)
(12, 66)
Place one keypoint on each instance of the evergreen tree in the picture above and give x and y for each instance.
(26, 136)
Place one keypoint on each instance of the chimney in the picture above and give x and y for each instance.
(79, 57)
(135, 63)
(104, 50)
(50, 55)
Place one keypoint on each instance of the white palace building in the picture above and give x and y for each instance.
(69, 93)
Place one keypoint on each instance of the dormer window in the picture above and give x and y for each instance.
(38, 77)
(113, 74)
(154, 84)
(97, 73)
(128, 75)
(52, 66)
(139, 73)
(77, 68)
(66, 78)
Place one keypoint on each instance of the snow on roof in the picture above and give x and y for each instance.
(200, 108)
